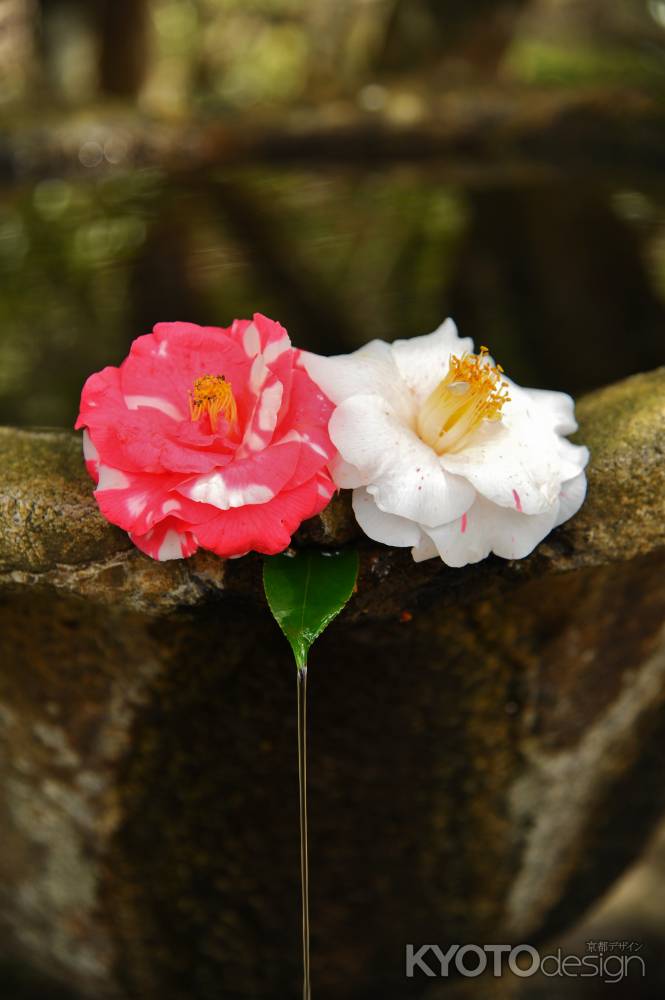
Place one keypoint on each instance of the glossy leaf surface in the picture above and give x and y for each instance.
(306, 590)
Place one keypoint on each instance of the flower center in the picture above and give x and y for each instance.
(471, 392)
(213, 395)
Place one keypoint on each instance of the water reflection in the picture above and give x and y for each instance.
(565, 284)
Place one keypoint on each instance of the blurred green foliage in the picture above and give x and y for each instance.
(262, 56)
(539, 63)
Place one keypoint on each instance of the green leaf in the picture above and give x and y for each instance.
(306, 590)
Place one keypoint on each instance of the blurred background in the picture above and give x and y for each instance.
(355, 169)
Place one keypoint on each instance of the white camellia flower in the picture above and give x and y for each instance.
(444, 453)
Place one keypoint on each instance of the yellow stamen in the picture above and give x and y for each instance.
(213, 395)
(471, 392)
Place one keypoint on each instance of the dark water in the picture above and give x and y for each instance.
(564, 281)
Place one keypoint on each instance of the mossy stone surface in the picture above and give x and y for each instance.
(623, 425)
(52, 535)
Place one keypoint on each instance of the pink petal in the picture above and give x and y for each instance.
(307, 418)
(265, 527)
(146, 436)
(91, 456)
(262, 421)
(166, 541)
(144, 439)
(167, 361)
(261, 335)
(137, 501)
(255, 478)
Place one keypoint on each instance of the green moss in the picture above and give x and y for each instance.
(623, 425)
(629, 414)
(47, 512)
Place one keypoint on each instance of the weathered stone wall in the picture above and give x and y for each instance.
(480, 768)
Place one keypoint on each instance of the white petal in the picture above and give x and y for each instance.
(573, 458)
(369, 434)
(368, 371)
(558, 407)
(345, 475)
(425, 549)
(571, 497)
(424, 361)
(487, 528)
(424, 493)
(402, 473)
(519, 461)
(386, 528)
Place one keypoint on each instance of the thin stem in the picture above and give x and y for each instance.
(304, 861)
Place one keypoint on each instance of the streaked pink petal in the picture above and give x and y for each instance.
(306, 417)
(137, 501)
(265, 527)
(174, 483)
(254, 479)
(168, 540)
(262, 421)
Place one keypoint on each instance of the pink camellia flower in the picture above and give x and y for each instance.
(208, 437)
